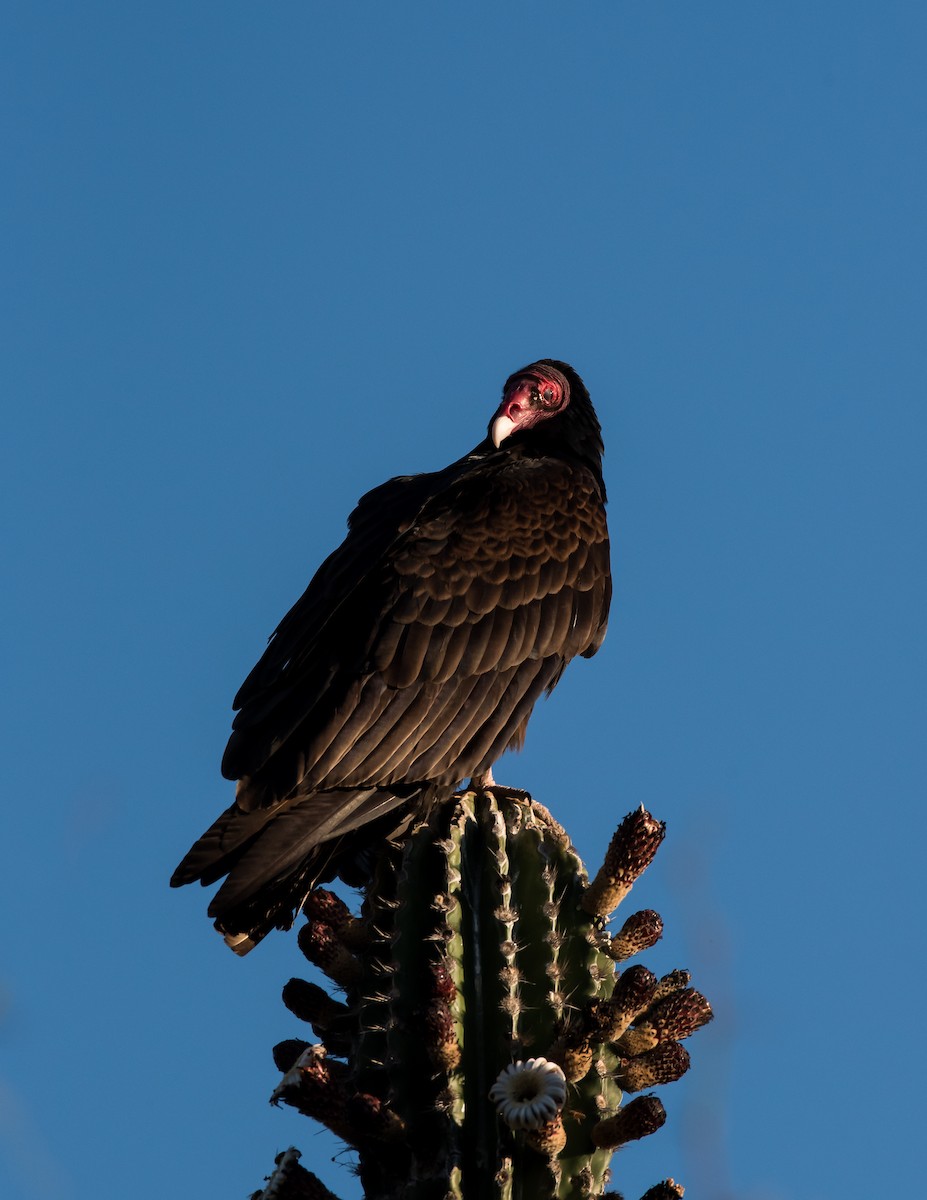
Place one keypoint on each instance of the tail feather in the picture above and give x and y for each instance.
(212, 856)
(286, 841)
(272, 864)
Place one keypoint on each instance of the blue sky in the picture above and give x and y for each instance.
(259, 257)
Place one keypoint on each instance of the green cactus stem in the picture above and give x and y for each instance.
(486, 1036)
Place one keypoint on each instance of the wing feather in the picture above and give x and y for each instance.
(482, 702)
(385, 755)
(524, 633)
(481, 587)
(477, 640)
(407, 665)
(493, 726)
(454, 650)
(411, 661)
(431, 746)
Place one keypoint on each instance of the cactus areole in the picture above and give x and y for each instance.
(476, 1053)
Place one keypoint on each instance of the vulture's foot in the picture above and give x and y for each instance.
(486, 783)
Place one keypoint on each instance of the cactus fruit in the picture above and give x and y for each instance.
(486, 1037)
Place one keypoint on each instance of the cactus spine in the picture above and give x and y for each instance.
(479, 967)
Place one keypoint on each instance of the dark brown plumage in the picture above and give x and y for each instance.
(416, 654)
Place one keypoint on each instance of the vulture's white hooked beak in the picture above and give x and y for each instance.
(501, 428)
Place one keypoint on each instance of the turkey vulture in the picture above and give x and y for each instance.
(415, 656)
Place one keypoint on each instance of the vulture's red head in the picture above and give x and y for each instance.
(546, 405)
(529, 396)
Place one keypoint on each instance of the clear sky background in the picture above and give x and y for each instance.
(259, 257)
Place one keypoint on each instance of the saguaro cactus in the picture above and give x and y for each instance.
(487, 1038)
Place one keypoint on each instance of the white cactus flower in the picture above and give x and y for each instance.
(529, 1094)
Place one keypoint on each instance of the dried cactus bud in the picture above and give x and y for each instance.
(313, 1066)
(321, 945)
(669, 1189)
(639, 932)
(680, 1014)
(311, 1003)
(575, 1059)
(287, 1052)
(675, 981)
(663, 1064)
(444, 986)
(637, 1041)
(606, 1020)
(635, 1120)
(675, 1017)
(630, 852)
(323, 905)
(441, 1035)
(440, 1029)
(549, 1138)
(318, 1087)
(372, 1118)
(291, 1181)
